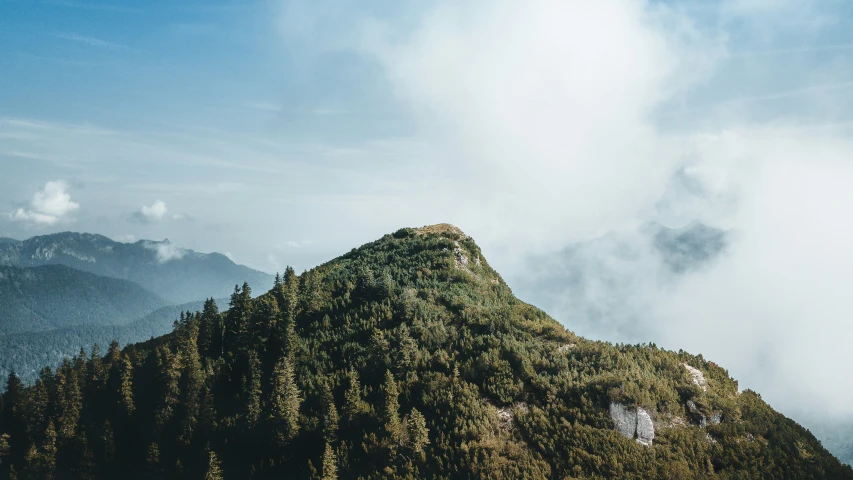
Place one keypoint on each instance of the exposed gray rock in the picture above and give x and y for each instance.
(631, 423)
(698, 377)
(624, 420)
(645, 427)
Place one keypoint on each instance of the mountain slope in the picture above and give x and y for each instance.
(55, 296)
(26, 353)
(176, 274)
(406, 358)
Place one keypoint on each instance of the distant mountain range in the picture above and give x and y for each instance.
(176, 274)
(66, 291)
(55, 296)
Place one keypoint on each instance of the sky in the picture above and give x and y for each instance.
(285, 133)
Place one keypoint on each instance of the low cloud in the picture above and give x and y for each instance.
(165, 251)
(150, 213)
(48, 206)
(295, 244)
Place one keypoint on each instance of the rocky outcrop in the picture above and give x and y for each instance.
(645, 428)
(633, 423)
(698, 377)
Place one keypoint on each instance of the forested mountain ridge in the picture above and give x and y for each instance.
(55, 296)
(406, 358)
(26, 353)
(176, 274)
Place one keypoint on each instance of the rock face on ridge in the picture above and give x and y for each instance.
(635, 424)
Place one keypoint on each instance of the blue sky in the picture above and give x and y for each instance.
(289, 132)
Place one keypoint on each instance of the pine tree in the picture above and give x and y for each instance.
(169, 373)
(417, 433)
(113, 353)
(4, 448)
(210, 330)
(288, 303)
(390, 411)
(192, 379)
(96, 368)
(330, 415)
(214, 468)
(354, 406)
(284, 402)
(70, 401)
(330, 463)
(252, 390)
(126, 386)
(153, 457)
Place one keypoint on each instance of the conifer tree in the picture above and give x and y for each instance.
(210, 330)
(169, 373)
(417, 433)
(330, 415)
(70, 401)
(113, 353)
(214, 468)
(390, 410)
(96, 365)
(192, 379)
(354, 406)
(4, 449)
(126, 386)
(252, 390)
(153, 457)
(284, 402)
(330, 464)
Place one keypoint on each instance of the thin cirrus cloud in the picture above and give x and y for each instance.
(48, 206)
(91, 41)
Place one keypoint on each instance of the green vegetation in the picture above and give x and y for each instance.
(55, 296)
(27, 353)
(406, 358)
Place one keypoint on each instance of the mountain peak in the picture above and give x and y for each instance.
(439, 229)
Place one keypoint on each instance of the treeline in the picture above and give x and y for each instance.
(406, 358)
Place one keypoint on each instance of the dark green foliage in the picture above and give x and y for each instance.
(437, 370)
(26, 353)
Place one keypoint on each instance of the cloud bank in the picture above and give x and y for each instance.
(48, 206)
(546, 121)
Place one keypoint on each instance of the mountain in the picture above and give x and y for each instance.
(6, 240)
(408, 357)
(55, 296)
(176, 274)
(26, 353)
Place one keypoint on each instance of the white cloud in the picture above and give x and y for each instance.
(541, 111)
(151, 213)
(166, 251)
(294, 244)
(48, 206)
